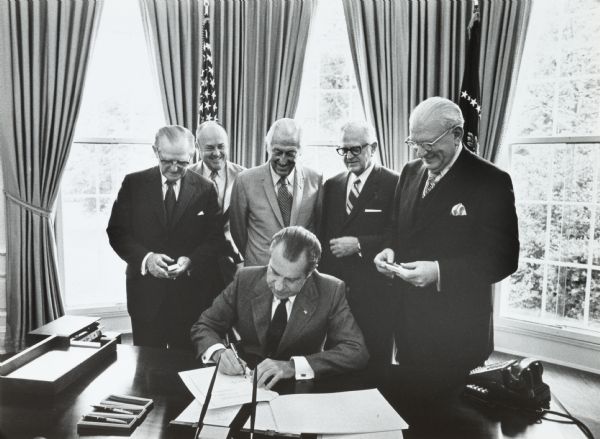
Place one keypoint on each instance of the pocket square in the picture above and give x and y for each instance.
(373, 210)
(458, 210)
(200, 213)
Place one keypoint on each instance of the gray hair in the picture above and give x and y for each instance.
(174, 133)
(284, 127)
(297, 241)
(442, 109)
(363, 128)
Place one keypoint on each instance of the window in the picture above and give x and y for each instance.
(554, 160)
(328, 95)
(119, 115)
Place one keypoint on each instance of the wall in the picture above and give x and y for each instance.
(2, 264)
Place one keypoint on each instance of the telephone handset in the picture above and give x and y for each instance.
(513, 382)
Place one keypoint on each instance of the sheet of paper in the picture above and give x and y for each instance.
(220, 417)
(228, 390)
(394, 434)
(362, 411)
(264, 420)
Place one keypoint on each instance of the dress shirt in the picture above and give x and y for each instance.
(363, 179)
(221, 180)
(289, 180)
(303, 369)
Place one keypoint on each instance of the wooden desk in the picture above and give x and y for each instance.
(152, 373)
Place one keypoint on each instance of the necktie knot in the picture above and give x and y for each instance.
(170, 200)
(430, 183)
(214, 175)
(171, 183)
(352, 196)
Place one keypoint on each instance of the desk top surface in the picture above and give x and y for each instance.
(152, 373)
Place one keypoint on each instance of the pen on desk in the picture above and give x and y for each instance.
(206, 401)
(237, 357)
(97, 418)
(106, 408)
(253, 412)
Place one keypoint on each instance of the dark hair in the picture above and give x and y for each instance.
(297, 240)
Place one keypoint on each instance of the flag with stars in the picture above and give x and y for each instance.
(207, 100)
(469, 101)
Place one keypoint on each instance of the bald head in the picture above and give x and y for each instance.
(283, 142)
(436, 112)
(213, 144)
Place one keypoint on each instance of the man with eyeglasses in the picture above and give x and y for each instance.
(293, 321)
(164, 224)
(277, 194)
(356, 207)
(454, 234)
(213, 144)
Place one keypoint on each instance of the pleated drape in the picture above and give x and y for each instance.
(174, 34)
(44, 52)
(258, 51)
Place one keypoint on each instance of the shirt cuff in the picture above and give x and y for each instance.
(359, 248)
(439, 278)
(303, 369)
(207, 355)
(144, 270)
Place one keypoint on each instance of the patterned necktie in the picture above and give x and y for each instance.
(353, 196)
(276, 328)
(284, 199)
(430, 183)
(170, 201)
(213, 177)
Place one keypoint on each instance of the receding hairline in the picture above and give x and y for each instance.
(173, 134)
(285, 127)
(362, 128)
(439, 109)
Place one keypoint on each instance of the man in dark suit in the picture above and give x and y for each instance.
(293, 321)
(213, 145)
(277, 194)
(453, 235)
(164, 224)
(356, 206)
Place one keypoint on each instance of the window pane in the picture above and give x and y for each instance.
(525, 295)
(595, 300)
(530, 166)
(569, 234)
(532, 229)
(565, 293)
(573, 171)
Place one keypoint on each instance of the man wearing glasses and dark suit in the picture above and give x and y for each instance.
(164, 224)
(356, 205)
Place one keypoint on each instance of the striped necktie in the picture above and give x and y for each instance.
(353, 196)
(430, 183)
(284, 199)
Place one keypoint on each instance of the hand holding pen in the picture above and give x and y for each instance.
(230, 362)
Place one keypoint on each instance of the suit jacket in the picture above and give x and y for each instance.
(138, 225)
(320, 314)
(368, 292)
(454, 325)
(255, 215)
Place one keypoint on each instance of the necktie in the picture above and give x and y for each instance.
(353, 196)
(430, 183)
(170, 201)
(284, 199)
(213, 177)
(276, 328)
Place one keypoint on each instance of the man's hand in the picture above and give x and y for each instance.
(344, 246)
(184, 263)
(418, 273)
(386, 256)
(229, 364)
(157, 264)
(271, 371)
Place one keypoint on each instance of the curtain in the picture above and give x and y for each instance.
(503, 29)
(43, 60)
(174, 34)
(404, 52)
(258, 49)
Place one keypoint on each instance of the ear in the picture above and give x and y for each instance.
(458, 133)
(374, 146)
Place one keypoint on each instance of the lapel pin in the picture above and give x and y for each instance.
(305, 312)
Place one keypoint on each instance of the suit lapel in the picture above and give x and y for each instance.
(302, 311)
(186, 194)
(261, 309)
(270, 193)
(368, 191)
(412, 196)
(229, 179)
(298, 195)
(157, 200)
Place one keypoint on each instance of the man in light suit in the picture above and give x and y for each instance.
(213, 144)
(293, 321)
(275, 195)
(164, 225)
(356, 207)
(453, 235)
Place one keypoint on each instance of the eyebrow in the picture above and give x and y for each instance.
(293, 279)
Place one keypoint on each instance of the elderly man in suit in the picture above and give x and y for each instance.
(453, 235)
(356, 206)
(164, 225)
(213, 144)
(275, 195)
(293, 321)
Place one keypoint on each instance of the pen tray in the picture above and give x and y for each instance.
(138, 406)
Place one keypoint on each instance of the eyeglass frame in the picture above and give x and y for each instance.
(180, 164)
(427, 146)
(344, 150)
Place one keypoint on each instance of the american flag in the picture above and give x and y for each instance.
(470, 96)
(207, 100)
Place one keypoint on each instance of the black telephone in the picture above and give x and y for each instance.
(516, 383)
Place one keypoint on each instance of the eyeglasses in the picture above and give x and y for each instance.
(179, 163)
(354, 150)
(427, 146)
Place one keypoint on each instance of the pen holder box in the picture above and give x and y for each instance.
(138, 406)
(49, 366)
(129, 402)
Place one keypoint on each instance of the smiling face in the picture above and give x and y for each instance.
(443, 150)
(354, 136)
(174, 152)
(214, 146)
(284, 146)
(286, 278)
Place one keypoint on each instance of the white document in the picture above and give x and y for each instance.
(394, 434)
(229, 390)
(362, 411)
(220, 417)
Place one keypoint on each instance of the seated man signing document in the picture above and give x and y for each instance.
(293, 321)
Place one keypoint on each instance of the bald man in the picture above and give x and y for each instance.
(164, 224)
(277, 194)
(212, 142)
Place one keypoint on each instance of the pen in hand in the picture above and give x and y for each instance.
(237, 357)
